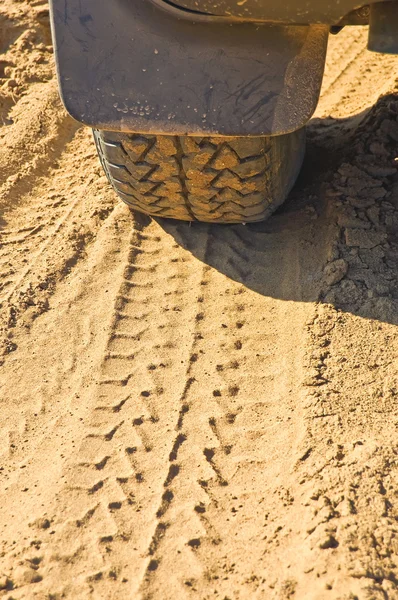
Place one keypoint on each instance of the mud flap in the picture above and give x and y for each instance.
(133, 66)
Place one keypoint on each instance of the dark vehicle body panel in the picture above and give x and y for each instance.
(148, 66)
(129, 65)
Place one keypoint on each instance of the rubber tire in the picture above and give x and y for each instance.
(212, 179)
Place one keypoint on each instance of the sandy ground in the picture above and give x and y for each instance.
(197, 412)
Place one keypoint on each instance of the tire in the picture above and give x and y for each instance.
(212, 179)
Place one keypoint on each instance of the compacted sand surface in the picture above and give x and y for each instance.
(197, 412)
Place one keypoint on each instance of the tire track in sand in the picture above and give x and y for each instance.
(38, 142)
(47, 230)
(240, 422)
(120, 477)
(354, 77)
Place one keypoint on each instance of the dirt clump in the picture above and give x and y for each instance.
(365, 193)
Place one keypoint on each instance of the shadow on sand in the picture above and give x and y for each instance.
(344, 208)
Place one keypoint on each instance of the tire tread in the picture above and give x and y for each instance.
(220, 180)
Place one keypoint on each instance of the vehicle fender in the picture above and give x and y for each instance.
(136, 66)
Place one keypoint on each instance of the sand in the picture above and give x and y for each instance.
(197, 411)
